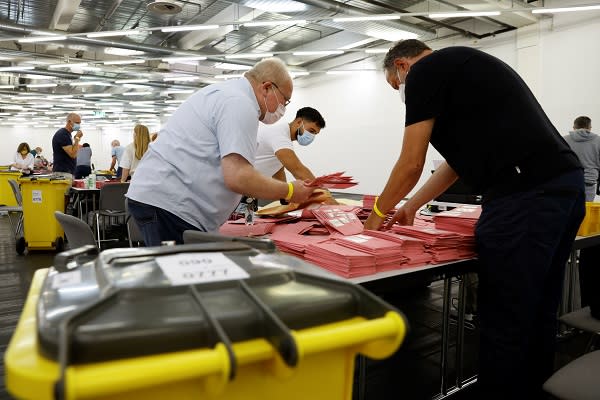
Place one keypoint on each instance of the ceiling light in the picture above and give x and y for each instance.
(122, 52)
(276, 6)
(7, 86)
(97, 95)
(16, 68)
(35, 76)
(391, 35)
(41, 85)
(171, 101)
(35, 39)
(317, 53)
(181, 78)
(131, 81)
(357, 44)
(249, 55)
(183, 28)
(89, 83)
(459, 14)
(177, 91)
(136, 93)
(114, 33)
(295, 74)
(565, 9)
(124, 62)
(376, 51)
(228, 76)
(274, 23)
(73, 65)
(367, 18)
(235, 67)
(345, 72)
(172, 60)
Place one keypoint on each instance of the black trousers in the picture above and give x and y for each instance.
(82, 171)
(523, 243)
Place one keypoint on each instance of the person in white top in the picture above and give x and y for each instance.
(275, 152)
(195, 174)
(134, 151)
(23, 159)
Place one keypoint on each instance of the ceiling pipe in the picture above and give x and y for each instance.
(108, 15)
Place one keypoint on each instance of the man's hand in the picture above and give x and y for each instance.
(374, 222)
(78, 135)
(404, 216)
(301, 192)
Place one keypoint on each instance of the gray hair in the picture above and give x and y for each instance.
(405, 48)
(115, 143)
(270, 69)
(582, 122)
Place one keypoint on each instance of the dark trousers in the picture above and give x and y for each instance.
(523, 243)
(81, 171)
(589, 277)
(158, 225)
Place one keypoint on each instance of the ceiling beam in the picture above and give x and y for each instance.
(63, 14)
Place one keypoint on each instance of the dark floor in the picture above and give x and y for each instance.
(412, 372)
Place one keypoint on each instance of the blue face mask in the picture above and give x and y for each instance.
(304, 137)
(76, 127)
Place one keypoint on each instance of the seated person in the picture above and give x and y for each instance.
(84, 162)
(23, 159)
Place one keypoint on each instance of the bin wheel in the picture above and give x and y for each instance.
(21, 246)
(60, 244)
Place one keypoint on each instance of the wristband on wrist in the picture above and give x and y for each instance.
(290, 192)
(376, 209)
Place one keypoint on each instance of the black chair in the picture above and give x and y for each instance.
(111, 206)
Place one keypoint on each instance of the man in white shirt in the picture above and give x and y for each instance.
(275, 152)
(194, 176)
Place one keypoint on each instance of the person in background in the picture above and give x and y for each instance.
(84, 162)
(275, 152)
(23, 159)
(533, 198)
(195, 175)
(587, 147)
(65, 149)
(134, 152)
(36, 151)
(116, 153)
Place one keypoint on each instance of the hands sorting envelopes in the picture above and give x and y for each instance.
(336, 180)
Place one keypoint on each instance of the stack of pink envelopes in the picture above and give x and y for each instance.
(340, 260)
(388, 254)
(413, 248)
(333, 181)
(294, 238)
(443, 245)
(337, 219)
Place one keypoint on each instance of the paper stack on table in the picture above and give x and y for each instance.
(443, 245)
(293, 238)
(333, 181)
(460, 219)
(413, 248)
(388, 254)
(341, 260)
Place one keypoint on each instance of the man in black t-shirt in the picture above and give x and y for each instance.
(483, 119)
(64, 148)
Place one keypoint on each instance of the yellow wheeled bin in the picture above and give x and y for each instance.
(41, 198)
(153, 323)
(7, 197)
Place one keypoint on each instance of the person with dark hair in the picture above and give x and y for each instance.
(23, 159)
(65, 148)
(275, 152)
(84, 162)
(586, 145)
(533, 198)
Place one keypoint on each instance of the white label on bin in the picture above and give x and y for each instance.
(36, 196)
(192, 268)
(66, 279)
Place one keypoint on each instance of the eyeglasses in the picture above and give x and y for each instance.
(286, 100)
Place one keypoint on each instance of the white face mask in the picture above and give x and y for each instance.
(272, 117)
(401, 88)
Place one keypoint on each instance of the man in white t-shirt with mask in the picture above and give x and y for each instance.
(275, 152)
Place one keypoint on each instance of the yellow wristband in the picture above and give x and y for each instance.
(376, 209)
(290, 191)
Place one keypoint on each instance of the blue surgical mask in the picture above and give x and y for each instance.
(305, 138)
(76, 127)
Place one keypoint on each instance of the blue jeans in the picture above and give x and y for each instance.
(158, 225)
(523, 243)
